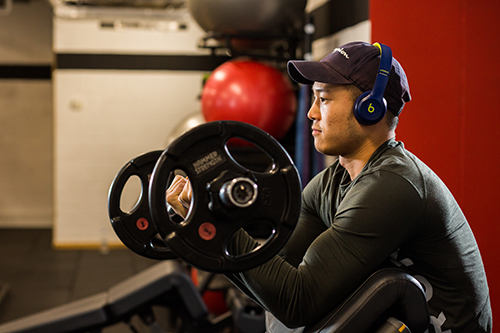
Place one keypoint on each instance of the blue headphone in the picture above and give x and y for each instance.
(371, 106)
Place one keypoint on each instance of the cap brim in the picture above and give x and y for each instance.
(308, 72)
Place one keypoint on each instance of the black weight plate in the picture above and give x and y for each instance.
(135, 228)
(202, 239)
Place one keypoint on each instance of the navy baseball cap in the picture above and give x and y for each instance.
(354, 63)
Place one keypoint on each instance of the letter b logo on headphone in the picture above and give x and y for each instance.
(371, 106)
(371, 109)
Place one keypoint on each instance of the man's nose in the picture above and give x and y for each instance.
(313, 113)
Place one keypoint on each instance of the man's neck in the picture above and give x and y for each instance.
(355, 162)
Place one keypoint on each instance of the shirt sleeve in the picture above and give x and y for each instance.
(309, 226)
(379, 213)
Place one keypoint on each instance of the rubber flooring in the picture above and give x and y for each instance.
(34, 276)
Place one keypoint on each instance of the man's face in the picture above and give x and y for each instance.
(335, 129)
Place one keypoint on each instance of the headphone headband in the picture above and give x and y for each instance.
(384, 71)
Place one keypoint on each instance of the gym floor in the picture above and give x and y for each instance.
(40, 277)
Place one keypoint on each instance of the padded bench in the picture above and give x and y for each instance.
(387, 293)
(153, 286)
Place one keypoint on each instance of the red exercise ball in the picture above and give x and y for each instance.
(252, 92)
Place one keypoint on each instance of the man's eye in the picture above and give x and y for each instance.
(322, 99)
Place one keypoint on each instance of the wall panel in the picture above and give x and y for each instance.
(449, 50)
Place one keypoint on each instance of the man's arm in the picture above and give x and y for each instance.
(378, 215)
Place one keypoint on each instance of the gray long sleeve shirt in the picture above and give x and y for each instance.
(395, 208)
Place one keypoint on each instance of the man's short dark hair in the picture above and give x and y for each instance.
(392, 120)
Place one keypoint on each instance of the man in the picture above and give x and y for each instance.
(376, 202)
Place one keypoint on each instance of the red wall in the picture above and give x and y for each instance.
(450, 50)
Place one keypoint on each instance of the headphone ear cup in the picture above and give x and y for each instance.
(369, 111)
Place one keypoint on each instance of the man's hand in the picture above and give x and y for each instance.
(179, 195)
